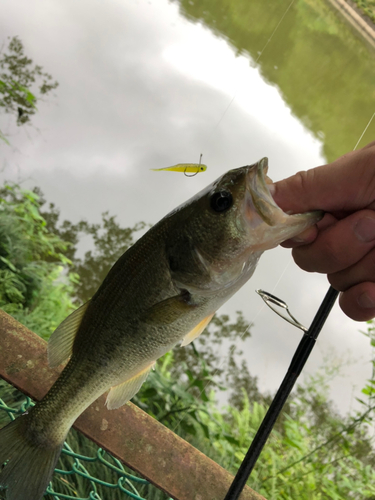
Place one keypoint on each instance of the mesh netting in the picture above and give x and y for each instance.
(91, 474)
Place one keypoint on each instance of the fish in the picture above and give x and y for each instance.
(184, 167)
(163, 291)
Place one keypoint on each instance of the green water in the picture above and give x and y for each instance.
(324, 70)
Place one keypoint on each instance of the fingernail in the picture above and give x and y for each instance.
(306, 236)
(297, 239)
(365, 301)
(365, 229)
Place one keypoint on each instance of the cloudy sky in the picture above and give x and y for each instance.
(141, 87)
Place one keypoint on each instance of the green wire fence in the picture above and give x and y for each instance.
(91, 474)
(144, 444)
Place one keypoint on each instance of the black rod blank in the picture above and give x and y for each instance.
(298, 362)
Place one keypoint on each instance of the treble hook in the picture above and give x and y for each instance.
(271, 299)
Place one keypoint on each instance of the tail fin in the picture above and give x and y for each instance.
(28, 468)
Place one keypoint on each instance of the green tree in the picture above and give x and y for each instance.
(35, 286)
(215, 360)
(21, 83)
(109, 242)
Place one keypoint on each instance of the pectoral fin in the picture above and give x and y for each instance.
(169, 310)
(122, 393)
(196, 331)
(60, 344)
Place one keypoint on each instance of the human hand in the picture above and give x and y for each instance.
(342, 244)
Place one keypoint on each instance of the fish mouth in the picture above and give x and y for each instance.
(261, 197)
(260, 201)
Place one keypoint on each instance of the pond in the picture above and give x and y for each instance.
(146, 84)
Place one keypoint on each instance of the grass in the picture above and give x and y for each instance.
(367, 7)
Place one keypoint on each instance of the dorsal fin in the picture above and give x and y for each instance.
(60, 344)
(196, 331)
(122, 393)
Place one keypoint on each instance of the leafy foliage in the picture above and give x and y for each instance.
(367, 7)
(369, 389)
(215, 360)
(307, 456)
(17, 77)
(34, 290)
(109, 242)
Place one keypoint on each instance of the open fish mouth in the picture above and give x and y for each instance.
(260, 194)
(257, 184)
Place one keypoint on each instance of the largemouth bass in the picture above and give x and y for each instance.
(163, 291)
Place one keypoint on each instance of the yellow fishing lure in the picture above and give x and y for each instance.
(191, 168)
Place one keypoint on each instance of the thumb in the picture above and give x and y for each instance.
(347, 184)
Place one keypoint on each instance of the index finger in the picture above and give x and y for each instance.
(346, 185)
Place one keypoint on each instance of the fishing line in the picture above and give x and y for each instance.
(212, 132)
(256, 61)
(262, 306)
(363, 133)
(282, 274)
(277, 404)
(290, 258)
(261, 309)
(296, 366)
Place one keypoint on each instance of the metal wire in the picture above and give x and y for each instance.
(271, 300)
(78, 468)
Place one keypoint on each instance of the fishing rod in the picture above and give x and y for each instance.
(296, 366)
(298, 362)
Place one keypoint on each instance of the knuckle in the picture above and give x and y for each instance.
(337, 282)
(332, 256)
(302, 257)
(305, 179)
(360, 272)
(322, 256)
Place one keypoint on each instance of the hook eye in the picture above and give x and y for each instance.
(271, 301)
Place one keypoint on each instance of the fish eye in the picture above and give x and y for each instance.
(221, 201)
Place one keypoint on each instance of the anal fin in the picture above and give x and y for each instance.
(196, 331)
(122, 393)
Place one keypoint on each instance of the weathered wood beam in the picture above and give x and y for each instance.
(129, 434)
